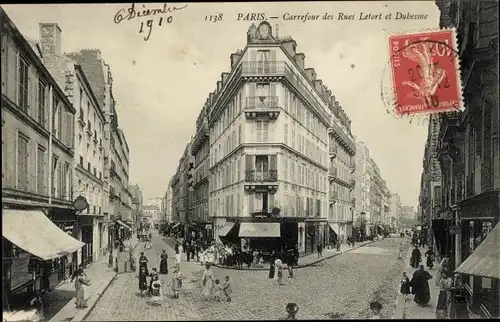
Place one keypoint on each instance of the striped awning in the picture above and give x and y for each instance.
(485, 260)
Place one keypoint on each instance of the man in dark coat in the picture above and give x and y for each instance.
(420, 286)
(416, 257)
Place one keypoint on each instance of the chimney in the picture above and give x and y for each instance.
(311, 74)
(317, 84)
(277, 31)
(290, 45)
(299, 59)
(219, 87)
(234, 58)
(224, 77)
(50, 38)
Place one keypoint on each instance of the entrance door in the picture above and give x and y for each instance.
(87, 248)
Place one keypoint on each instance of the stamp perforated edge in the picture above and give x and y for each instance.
(458, 71)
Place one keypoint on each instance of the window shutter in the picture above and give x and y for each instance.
(251, 203)
(273, 162)
(249, 162)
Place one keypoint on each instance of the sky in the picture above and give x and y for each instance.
(161, 84)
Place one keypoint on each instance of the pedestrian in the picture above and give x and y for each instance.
(405, 286)
(178, 253)
(217, 291)
(416, 257)
(444, 298)
(272, 258)
(176, 281)
(444, 268)
(187, 249)
(430, 258)
(208, 282)
(81, 283)
(176, 247)
(320, 250)
(143, 283)
(420, 286)
(255, 258)
(143, 262)
(296, 254)
(156, 291)
(376, 308)
(278, 266)
(153, 276)
(290, 259)
(164, 262)
(226, 288)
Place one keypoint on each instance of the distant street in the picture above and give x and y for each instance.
(341, 287)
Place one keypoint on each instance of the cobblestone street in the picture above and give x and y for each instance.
(341, 287)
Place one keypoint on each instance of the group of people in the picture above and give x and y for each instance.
(154, 288)
(277, 264)
(418, 285)
(212, 288)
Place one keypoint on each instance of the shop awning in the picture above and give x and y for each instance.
(334, 227)
(123, 224)
(226, 229)
(250, 229)
(485, 260)
(37, 234)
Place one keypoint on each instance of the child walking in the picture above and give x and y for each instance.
(405, 286)
(226, 287)
(217, 290)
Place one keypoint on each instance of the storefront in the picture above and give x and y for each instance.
(315, 234)
(35, 252)
(86, 235)
(481, 273)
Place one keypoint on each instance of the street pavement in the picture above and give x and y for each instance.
(337, 288)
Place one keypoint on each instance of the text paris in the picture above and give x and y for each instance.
(131, 12)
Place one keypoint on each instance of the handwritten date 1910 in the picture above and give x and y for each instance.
(214, 18)
(149, 25)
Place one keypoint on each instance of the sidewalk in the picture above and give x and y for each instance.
(304, 261)
(100, 276)
(410, 310)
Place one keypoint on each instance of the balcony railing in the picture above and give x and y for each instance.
(261, 175)
(261, 102)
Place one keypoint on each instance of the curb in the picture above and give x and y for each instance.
(400, 306)
(82, 315)
(295, 267)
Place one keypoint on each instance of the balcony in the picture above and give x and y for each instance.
(114, 174)
(341, 136)
(261, 180)
(333, 196)
(201, 137)
(334, 150)
(89, 128)
(262, 106)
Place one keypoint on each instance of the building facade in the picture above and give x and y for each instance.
(179, 185)
(118, 203)
(166, 205)
(152, 211)
(469, 152)
(430, 188)
(37, 157)
(341, 175)
(137, 203)
(89, 137)
(200, 150)
(396, 211)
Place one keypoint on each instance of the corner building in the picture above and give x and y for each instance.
(268, 126)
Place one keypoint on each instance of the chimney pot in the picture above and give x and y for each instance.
(50, 38)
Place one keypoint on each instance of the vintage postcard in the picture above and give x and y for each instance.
(250, 160)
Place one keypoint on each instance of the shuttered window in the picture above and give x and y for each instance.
(65, 180)
(22, 162)
(55, 161)
(11, 70)
(40, 173)
(42, 97)
(23, 85)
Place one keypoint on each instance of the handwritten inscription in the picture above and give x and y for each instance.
(146, 27)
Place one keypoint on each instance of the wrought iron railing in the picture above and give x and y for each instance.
(261, 102)
(261, 175)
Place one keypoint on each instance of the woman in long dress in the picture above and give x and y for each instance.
(81, 282)
(164, 263)
(430, 258)
(143, 282)
(208, 282)
(420, 286)
(271, 265)
(416, 257)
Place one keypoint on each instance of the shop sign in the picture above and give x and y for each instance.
(80, 203)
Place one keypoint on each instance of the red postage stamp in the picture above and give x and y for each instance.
(425, 72)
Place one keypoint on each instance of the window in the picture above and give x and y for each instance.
(262, 131)
(55, 161)
(42, 91)
(23, 83)
(240, 133)
(22, 162)
(40, 176)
